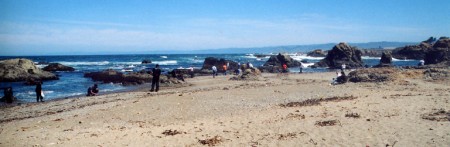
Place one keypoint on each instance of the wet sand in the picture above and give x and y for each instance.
(217, 111)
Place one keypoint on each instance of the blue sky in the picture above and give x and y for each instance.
(36, 27)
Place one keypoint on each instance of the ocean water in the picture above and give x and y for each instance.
(74, 84)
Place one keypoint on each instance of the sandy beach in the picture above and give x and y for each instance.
(294, 110)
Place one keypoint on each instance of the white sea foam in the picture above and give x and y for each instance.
(167, 62)
(394, 59)
(83, 63)
(367, 57)
(302, 57)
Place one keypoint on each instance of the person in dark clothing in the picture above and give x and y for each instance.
(39, 96)
(342, 79)
(92, 91)
(155, 80)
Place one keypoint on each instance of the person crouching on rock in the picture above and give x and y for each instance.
(92, 91)
(155, 80)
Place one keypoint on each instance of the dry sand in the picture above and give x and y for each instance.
(241, 113)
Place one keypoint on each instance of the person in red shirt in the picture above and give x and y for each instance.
(284, 68)
(224, 69)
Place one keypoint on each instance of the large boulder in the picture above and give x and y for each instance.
(112, 76)
(373, 75)
(212, 61)
(416, 52)
(58, 67)
(386, 60)
(342, 53)
(14, 70)
(440, 54)
(317, 53)
(280, 59)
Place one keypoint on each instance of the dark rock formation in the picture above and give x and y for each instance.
(280, 59)
(270, 69)
(386, 60)
(374, 52)
(440, 54)
(112, 76)
(342, 54)
(317, 53)
(416, 52)
(248, 74)
(210, 61)
(14, 70)
(275, 63)
(58, 67)
(146, 61)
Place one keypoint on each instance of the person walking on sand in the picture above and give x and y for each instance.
(214, 70)
(39, 92)
(224, 69)
(155, 80)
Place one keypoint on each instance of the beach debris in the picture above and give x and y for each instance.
(212, 141)
(295, 116)
(314, 102)
(354, 115)
(286, 136)
(440, 115)
(172, 132)
(327, 123)
(59, 119)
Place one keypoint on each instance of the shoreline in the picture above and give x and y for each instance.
(241, 113)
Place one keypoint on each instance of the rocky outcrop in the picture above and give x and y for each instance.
(211, 61)
(248, 74)
(439, 54)
(58, 67)
(146, 61)
(386, 60)
(275, 63)
(14, 70)
(372, 75)
(416, 52)
(374, 52)
(280, 59)
(437, 74)
(317, 53)
(342, 53)
(112, 76)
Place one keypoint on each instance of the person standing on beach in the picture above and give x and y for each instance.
(155, 80)
(224, 69)
(191, 71)
(301, 67)
(214, 70)
(39, 92)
